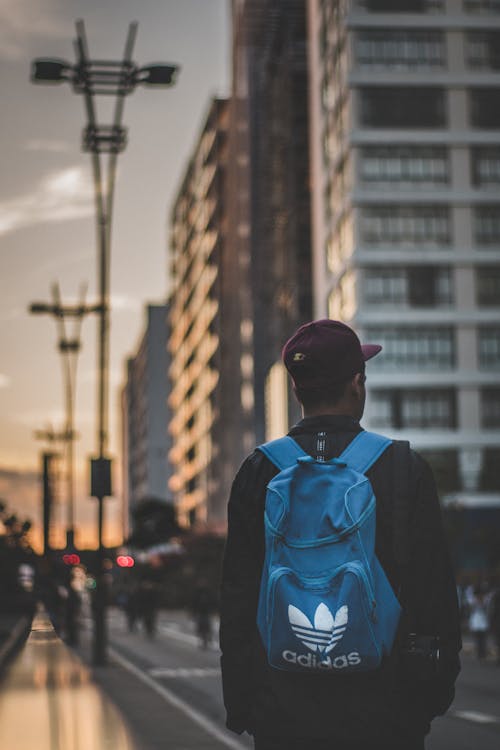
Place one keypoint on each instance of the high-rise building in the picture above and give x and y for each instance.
(270, 96)
(241, 259)
(405, 145)
(204, 304)
(145, 441)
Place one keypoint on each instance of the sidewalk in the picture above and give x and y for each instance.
(50, 700)
(469, 648)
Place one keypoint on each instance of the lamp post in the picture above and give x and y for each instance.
(118, 79)
(69, 346)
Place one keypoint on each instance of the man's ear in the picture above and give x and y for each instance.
(359, 378)
(358, 383)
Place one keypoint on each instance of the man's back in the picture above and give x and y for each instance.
(383, 706)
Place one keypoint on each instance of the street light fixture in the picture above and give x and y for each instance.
(47, 70)
(156, 75)
(90, 78)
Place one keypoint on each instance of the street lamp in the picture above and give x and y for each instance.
(69, 348)
(118, 79)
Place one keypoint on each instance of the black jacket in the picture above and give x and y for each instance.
(388, 703)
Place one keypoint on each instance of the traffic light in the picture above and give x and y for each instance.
(71, 559)
(125, 561)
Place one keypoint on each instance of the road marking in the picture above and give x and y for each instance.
(179, 634)
(477, 717)
(174, 632)
(184, 672)
(207, 724)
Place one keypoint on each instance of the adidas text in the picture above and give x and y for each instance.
(311, 661)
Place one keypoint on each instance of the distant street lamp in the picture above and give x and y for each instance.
(69, 348)
(118, 79)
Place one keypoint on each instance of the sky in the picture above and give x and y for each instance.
(47, 219)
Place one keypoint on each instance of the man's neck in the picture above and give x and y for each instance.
(329, 411)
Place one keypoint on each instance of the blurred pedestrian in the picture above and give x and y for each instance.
(53, 593)
(147, 606)
(495, 620)
(202, 610)
(73, 607)
(478, 622)
(129, 604)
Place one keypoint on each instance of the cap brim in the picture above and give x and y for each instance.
(370, 350)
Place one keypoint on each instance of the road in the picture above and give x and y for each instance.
(187, 678)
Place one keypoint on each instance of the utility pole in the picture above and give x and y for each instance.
(69, 347)
(47, 499)
(118, 79)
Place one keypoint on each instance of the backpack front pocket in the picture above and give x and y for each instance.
(321, 623)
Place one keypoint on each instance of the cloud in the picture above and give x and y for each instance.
(90, 376)
(5, 381)
(52, 419)
(54, 147)
(18, 475)
(61, 196)
(22, 20)
(124, 303)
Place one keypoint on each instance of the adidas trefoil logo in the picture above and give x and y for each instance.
(327, 631)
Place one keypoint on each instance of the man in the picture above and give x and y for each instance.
(390, 707)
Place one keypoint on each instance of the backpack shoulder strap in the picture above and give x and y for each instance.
(364, 450)
(282, 452)
(402, 502)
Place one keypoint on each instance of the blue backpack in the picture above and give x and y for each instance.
(325, 603)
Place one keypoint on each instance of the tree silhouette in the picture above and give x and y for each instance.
(154, 522)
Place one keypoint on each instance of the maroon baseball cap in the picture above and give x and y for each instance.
(325, 352)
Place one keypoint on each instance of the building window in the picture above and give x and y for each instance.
(340, 244)
(342, 300)
(483, 50)
(398, 107)
(421, 286)
(414, 409)
(423, 348)
(490, 476)
(404, 164)
(414, 225)
(276, 401)
(385, 286)
(487, 225)
(247, 397)
(490, 407)
(332, 31)
(485, 107)
(401, 49)
(488, 7)
(400, 6)
(336, 126)
(485, 167)
(488, 286)
(429, 286)
(489, 348)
